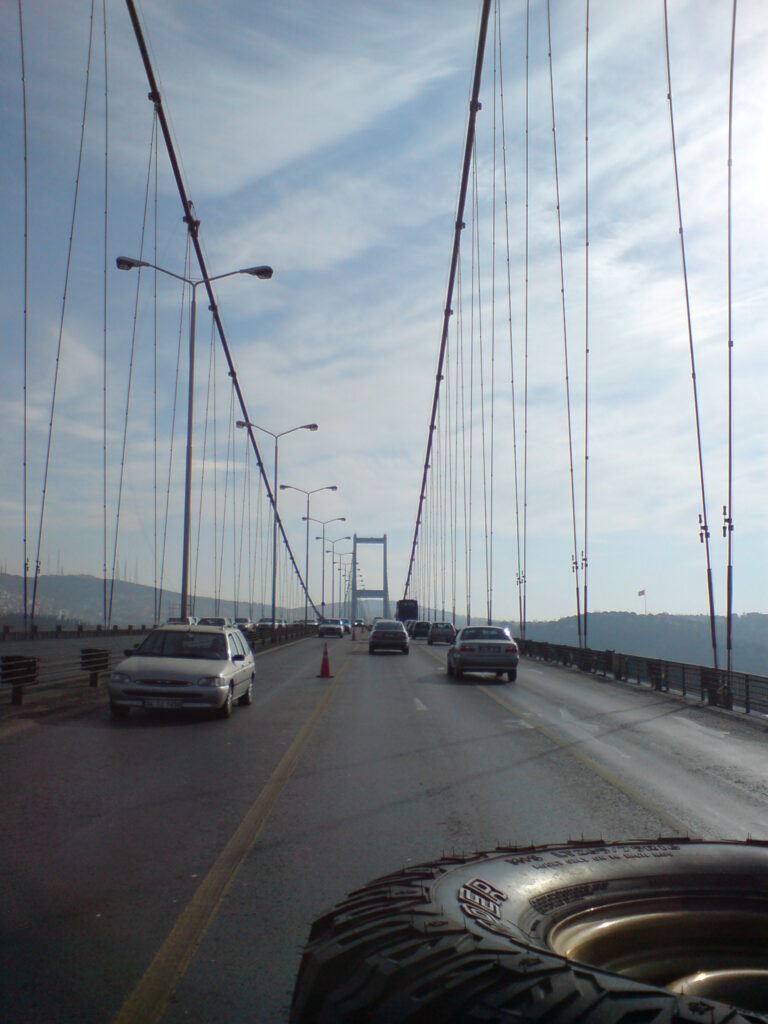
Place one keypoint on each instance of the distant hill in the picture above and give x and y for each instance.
(671, 637)
(69, 600)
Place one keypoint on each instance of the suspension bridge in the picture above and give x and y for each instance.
(137, 432)
(307, 310)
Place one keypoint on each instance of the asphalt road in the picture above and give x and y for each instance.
(167, 868)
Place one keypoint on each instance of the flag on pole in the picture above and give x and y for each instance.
(641, 593)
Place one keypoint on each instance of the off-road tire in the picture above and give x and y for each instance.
(465, 940)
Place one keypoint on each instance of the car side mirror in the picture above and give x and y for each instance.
(130, 651)
(238, 657)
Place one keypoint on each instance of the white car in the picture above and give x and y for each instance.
(483, 649)
(183, 668)
(330, 627)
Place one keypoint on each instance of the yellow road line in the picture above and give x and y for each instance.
(148, 1000)
(13, 728)
(679, 827)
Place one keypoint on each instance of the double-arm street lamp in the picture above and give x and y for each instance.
(290, 487)
(324, 523)
(254, 426)
(263, 273)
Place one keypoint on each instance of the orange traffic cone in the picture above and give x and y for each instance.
(325, 665)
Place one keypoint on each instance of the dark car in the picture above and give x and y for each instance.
(420, 629)
(483, 649)
(441, 633)
(388, 635)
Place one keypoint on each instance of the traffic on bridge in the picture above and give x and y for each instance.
(370, 649)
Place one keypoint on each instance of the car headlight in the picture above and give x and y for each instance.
(210, 681)
(120, 678)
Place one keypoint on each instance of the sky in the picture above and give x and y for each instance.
(325, 139)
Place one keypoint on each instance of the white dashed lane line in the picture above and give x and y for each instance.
(419, 705)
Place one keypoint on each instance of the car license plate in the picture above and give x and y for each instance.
(162, 702)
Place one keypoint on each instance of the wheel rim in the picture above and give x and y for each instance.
(704, 945)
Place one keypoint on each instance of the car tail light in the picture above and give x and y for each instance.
(467, 649)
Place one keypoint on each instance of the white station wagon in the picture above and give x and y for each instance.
(183, 668)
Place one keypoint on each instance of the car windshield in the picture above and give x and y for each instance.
(388, 627)
(166, 643)
(483, 633)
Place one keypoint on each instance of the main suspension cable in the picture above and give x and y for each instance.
(193, 229)
(474, 106)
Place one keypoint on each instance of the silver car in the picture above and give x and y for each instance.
(330, 627)
(388, 635)
(483, 649)
(180, 667)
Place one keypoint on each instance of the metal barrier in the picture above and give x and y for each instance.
(737, 691)
(57, 661)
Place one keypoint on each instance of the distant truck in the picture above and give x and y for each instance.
(407, 609)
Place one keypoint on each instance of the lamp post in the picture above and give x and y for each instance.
(333, 544)
(290, 487)
(333, 569)
(343, 579)
(263, 273)
(254, 426)
(324, 523)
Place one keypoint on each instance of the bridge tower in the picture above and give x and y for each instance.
(384, 592)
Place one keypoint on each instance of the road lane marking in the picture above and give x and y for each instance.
(419, 705)
(13, 728)
(679, 827)
(147, 1002)
(707, 729)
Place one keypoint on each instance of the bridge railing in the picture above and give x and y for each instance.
(76, 660)
(739, 691)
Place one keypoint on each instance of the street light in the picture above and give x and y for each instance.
(333, 567)
(324, 523)
(254, 426)
(263, 273)
(343, 574)
(290, 487)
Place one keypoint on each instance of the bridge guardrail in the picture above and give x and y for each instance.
(738, 691)
(30, 666)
